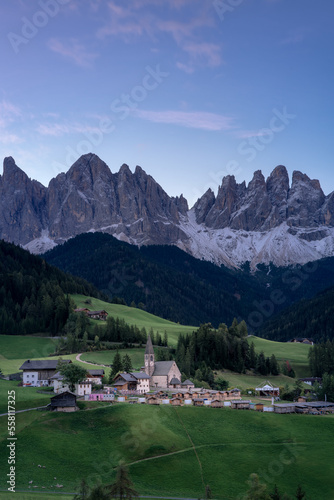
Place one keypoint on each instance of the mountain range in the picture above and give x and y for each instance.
(267, 221)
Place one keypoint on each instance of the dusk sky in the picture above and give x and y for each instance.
(190, 90)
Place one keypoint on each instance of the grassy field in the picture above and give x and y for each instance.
(137, 317)
(296, 354)
(174, 452)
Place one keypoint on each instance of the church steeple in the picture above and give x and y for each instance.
(149, 357)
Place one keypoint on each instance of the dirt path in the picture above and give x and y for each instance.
(78, 358)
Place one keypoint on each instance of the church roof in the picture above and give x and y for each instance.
(162, 368)
(149, 346)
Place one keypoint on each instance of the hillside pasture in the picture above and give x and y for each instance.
(175, 451)
(134, 316)
(295, 353)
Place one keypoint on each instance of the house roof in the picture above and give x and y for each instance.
(162, 367)
(62, 394)
(96, 372)
(140, 375)
(128, 377)
(102, 311)
(42, 364)
(149, 347)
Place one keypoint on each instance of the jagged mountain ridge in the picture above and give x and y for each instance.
(266, 221)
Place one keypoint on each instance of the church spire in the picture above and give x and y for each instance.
(149, 357)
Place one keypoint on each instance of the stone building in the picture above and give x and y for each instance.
(164, 374)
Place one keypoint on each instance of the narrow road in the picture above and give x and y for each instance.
(78, 358)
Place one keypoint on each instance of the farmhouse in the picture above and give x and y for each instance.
(66, 401)
(95, 376)
(302, 340)
(57, 381)
(39, 372)
(102, 315)
(162, 374)
(135, 381)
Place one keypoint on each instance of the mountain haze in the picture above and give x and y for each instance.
(268, 221)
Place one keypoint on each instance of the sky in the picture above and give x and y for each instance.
(190, 90)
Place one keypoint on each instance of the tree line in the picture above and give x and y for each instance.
(33, 294)
(208, 349)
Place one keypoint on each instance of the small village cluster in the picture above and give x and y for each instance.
(157, 383)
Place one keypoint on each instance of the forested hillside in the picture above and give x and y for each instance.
(312, 318)
(33, 293)
(164, 280)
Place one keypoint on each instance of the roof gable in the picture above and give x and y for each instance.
(162, 368)
(42, 364)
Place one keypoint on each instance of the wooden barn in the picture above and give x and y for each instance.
(153, 400)
(284, 408)
(217, 403)
(242, 404)
(176, 401)
(65, 401)
(198, 401)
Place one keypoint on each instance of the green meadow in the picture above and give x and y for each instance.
(296, 354)
(173, 451)
(134, 316)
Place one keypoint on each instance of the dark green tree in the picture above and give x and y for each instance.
(300, 494)
(117, 366)
(83, 491)
(127, 363)
(73, 374)
(122, 488)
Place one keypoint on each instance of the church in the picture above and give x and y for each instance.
(164, 374)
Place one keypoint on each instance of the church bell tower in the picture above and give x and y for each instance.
(149, 357)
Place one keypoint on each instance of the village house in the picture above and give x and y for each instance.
(138, 382)
(102, 314)
(39, 372)
(302, 340)
(95, 376)
(164, 374)
(66, 401)
(57, 381)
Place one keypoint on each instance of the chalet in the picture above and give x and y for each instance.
(101, 315)
(66, 401)
(161, 373)
(133, 381)
(311, 380)
(39, 372)
(81, 389)
(95, 376)
(242, 404)
(302, 340)
(83, 310)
